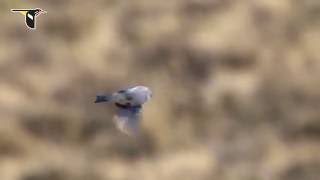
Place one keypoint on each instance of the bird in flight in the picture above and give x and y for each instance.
(129, 104)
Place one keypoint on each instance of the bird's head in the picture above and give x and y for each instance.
(39, 11)
(145, 90)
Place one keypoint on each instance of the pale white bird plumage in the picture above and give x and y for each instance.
(129, 103)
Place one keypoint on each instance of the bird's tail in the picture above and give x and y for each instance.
(100, 99)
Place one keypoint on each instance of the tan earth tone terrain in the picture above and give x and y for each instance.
(236, 89)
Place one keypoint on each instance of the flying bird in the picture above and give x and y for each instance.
(129, 104)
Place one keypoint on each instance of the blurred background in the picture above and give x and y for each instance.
(236, 90)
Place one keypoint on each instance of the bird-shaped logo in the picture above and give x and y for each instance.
(30, 16)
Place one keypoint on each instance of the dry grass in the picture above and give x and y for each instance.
(236, 90)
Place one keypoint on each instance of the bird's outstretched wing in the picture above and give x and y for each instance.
(127, 119)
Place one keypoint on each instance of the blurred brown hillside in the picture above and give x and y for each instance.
(236, 90)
